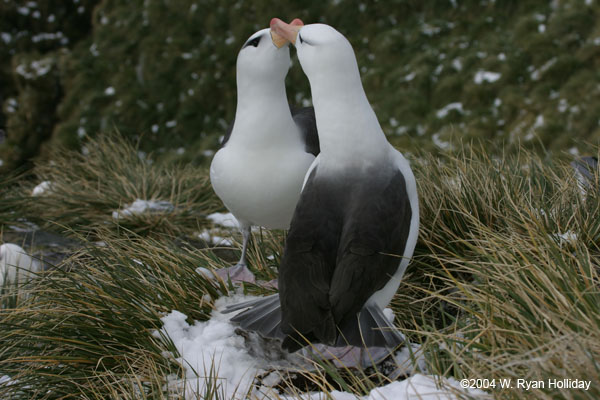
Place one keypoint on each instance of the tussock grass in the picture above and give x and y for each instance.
(12, 201)
(504, 284)
(88, 325)
(87, 189)
(510, 247)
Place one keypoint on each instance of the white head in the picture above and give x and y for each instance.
(346, 122)
(326, 56)
(260, 60)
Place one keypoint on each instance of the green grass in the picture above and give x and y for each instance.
(492, 291)
(174, 81)
(87, 189)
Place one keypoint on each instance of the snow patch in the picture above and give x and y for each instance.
(209, 237)
(443, 112)
(486, 76)
(211, 351)
(568, 237)
(16, 266)
(226, 220)
(42, 188)
(35, 68)
(441, 143)
(144, 206)
(536, 74)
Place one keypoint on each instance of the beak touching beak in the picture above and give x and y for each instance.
(281, 33)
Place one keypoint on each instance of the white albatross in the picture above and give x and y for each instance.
(258, 173)
(356, 224)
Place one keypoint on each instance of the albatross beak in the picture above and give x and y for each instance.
(282, 32)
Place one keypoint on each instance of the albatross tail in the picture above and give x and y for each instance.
(370, 327)
(262, 315)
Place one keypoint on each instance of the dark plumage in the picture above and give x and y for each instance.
(339, 251)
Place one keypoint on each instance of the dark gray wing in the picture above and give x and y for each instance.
(339, 251)
(305, 120)
(308, 264)
(371, 245)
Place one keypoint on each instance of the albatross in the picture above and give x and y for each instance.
(259, 170)
(356, 224)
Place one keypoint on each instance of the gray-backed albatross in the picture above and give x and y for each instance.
(356, 224)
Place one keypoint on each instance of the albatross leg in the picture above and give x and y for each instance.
(240, 271)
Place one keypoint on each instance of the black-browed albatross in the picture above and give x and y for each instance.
(356, 224)
(259, 170)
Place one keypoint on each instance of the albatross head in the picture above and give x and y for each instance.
(260, 59)
(324, 53)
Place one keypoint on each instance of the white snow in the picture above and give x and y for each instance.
(209, 237)
(410, 77)
(226, 220)
(211, 350)
(486, 76)
(457, 64)
(50, 36)
(563, 105)
(430, 30)
(16, 266)
(143, 206)
(422, 387)
(568, 237)
(536, 74)
(205, 272)
(443, 112)
(6, 37)
(42, 188)
(35, 69)
(442, 144)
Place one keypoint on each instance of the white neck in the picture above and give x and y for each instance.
(349, 132)
(263, 115)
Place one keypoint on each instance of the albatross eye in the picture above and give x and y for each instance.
(254, 42)
(300, 37)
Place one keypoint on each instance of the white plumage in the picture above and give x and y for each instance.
(258, 173)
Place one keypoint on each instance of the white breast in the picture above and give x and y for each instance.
(262, 186)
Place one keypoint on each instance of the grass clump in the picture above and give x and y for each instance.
(504, 283)
(87, 329)
(509, 251)
(85, 191)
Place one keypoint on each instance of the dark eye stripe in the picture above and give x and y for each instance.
(300, 37)
(254, 42)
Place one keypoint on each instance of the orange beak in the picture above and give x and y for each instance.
(282, 32)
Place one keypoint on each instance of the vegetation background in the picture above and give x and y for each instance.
(116, 100)
(163, 72)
